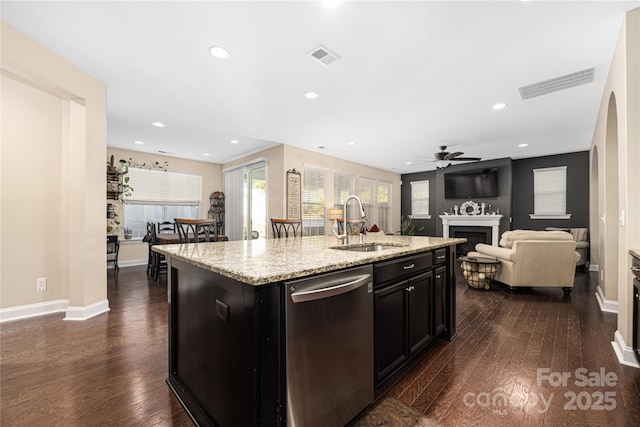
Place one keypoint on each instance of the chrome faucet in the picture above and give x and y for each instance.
(344, 238)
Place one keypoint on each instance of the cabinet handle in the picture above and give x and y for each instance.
(409, 267)
(441, 257)
(635, 269)
(410, 288)
(438, 276)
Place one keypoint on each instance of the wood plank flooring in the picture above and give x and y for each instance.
(111, 370)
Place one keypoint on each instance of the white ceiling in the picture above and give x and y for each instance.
(412, 75)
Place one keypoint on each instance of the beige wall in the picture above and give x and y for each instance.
(52, 180)
(135, 252)
(617, 153)
(285, 157)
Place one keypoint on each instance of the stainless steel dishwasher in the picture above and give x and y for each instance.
(329, 347)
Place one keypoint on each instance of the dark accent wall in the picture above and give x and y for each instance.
(515, 199)
(577, 190)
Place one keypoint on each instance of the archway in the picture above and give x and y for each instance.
(609, 247)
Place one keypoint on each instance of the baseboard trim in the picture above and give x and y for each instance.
(87, 312)
(625, 354)
(594, 267)
(606, 305)
(129, 263)
(32, 310)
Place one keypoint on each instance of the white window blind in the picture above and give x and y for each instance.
(420, 199)
(384, 206)
(234, 188)
(550, 192)
(314, 190)
(154, 186)
(367, 194)
(343, 187)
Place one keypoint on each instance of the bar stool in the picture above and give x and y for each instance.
(200, 228)
(282, 227)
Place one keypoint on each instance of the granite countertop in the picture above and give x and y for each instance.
(261, 261)
(635, 253)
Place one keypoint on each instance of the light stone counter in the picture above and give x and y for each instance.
(262, 261)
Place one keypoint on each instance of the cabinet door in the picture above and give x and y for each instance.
(439, 300)
(389, 326)
(420, 292)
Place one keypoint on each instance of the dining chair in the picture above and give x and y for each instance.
(201, 229)
(113, 247)
(282, 227)
(157, 264)
(150, 239)
(166, 227)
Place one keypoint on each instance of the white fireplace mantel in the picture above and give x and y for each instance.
(492, 221)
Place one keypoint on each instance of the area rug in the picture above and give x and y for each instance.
(390, 412)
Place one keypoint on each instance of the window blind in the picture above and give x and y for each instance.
(384, 205)
(163, 187)
(420, 199)
(314, 190)
(550, 190)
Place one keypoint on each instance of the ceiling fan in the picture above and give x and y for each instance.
(444, 158)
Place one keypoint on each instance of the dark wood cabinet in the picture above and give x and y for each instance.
(390, 337)
(419, 311)
(439, 299)
(411, 297)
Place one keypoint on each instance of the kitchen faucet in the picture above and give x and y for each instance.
(344, 238)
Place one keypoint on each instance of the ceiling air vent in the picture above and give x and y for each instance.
(558, 83)
(323, 55)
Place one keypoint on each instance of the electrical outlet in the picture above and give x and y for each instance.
(41, 284)
(222, 311)
(602, 275)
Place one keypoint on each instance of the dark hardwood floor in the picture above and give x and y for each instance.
(111, 370)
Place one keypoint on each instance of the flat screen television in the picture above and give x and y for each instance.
(471, 184)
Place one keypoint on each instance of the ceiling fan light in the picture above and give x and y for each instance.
(441, 164)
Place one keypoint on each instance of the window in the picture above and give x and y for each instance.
(160, 196)
(367, 195)
(384, 206)
(420, 199)
(550, 193)
(314, 190)
(343, 187)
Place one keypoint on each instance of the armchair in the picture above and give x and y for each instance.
(534, 258)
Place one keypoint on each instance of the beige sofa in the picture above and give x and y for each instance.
(581, 236)
(534, 258)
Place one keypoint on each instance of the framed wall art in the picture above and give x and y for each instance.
(294, 194)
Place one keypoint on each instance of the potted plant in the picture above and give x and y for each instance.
(407, 226)
(128, 233)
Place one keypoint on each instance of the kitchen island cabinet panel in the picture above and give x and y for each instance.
(389, 329)
(216, 326)
(420, 309)
(227, 322)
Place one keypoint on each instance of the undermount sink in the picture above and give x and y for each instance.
(372, 247)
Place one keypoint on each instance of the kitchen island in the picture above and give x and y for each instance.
(228, 360)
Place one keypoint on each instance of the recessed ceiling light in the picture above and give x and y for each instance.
(499, 106)
(234, 141)
(206, 154)
(351, 143)
(407, 163)
(158, 124)
(523, 145)
(219, 52)
(311, 95)
(138, 142)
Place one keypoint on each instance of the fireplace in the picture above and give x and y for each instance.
(474, 235)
